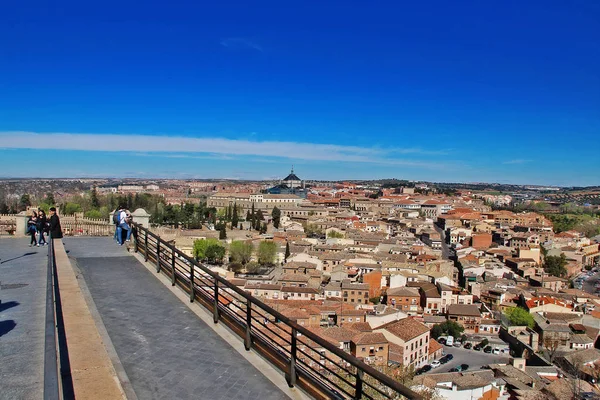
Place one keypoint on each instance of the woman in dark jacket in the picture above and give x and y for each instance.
(55, 229)
(32, 227)
(41, 227)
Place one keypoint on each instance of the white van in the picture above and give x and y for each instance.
(450, 340)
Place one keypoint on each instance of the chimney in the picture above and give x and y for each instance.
(518, 363)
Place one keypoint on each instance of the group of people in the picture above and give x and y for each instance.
(122, 219)
(38, 224)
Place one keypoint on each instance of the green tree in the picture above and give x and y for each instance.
(252, 267)
(234, 218)
(263, 228)
(520, 317)
(335, 235)
(287, 250)
(94, 214)
(236, 267)
(215, 252)
(200, 247)
(267, 251)
(276, 214)
(50, 198)
(25, 201)
(555, 265)
(258, 218)
(223, 232)
(240, 252)
(71, 208)
(449, 327)
(94, 198)
(4, 208)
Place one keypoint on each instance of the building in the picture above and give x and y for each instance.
(245, 201)
(413, 338)
(372, 348)
(405, 299)
(357, 293)
(468, 315)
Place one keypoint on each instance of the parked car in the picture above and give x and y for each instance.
(457, 343)
(488, 349)
(477, 347)
(468, 346)
(496, 351)
(441, 340)
(464, 367)
(435, 364)
(456, 369)
(444, 360)
(450, 341)
(449, 356)
(425, 368)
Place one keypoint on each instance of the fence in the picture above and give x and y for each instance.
(309, 361)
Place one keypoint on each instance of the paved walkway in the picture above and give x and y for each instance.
(22, 314)
(166, 350)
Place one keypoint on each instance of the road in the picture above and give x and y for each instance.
(475, 359)
(588, 285)
(445, 246)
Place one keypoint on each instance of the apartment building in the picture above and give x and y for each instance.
(413, 338)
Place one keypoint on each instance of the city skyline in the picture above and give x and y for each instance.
(468, 93)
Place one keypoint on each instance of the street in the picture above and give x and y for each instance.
(475, 359)
(445, 246)
(588, 285)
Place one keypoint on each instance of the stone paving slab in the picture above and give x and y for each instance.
(166, 350)
(23, 272)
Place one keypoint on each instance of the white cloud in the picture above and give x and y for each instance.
(190, 147)
(516, 161)
(241, 43)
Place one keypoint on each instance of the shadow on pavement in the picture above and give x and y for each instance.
(7, 305)
(16, 258)
(7, 326)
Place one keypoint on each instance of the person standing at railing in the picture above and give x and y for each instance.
(55, 229)
(116, 221)
(124, 221)
(32, 227)
(42, 225)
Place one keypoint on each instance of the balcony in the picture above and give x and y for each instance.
(168, 328)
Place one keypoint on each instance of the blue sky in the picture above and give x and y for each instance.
(497, 91)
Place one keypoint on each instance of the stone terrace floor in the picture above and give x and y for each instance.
(165, 349)
(22, 314)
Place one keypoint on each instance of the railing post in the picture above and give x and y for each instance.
(291, 378)
(173, 266)
(216, 301)
(248, 338)
(146, 245)
(192, 294)
(158, 254)
(359, 384)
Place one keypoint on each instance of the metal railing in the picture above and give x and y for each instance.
(308, 360)
(58, 383)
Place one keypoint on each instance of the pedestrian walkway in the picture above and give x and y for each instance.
(165, 349)
(23, 272)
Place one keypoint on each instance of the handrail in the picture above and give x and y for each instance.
(51, 367)
(58, 383)
(361, 367)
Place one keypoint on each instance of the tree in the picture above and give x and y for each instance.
(236, 267)
(555, 265)
(276, 214)
(223, 232)
(550, 345)
(287, 250)
(252, 267)
(25, 201)
(4, 208)
(240, 252)
(234, 218)
(215, 252)
(94, 214)
(50, 198)
(449, 327)
(94, 198)
(200, 247)
(263, 228)
(335, 235)
(520, 317)
(71, 208)
(258, 218)
(266, 253)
